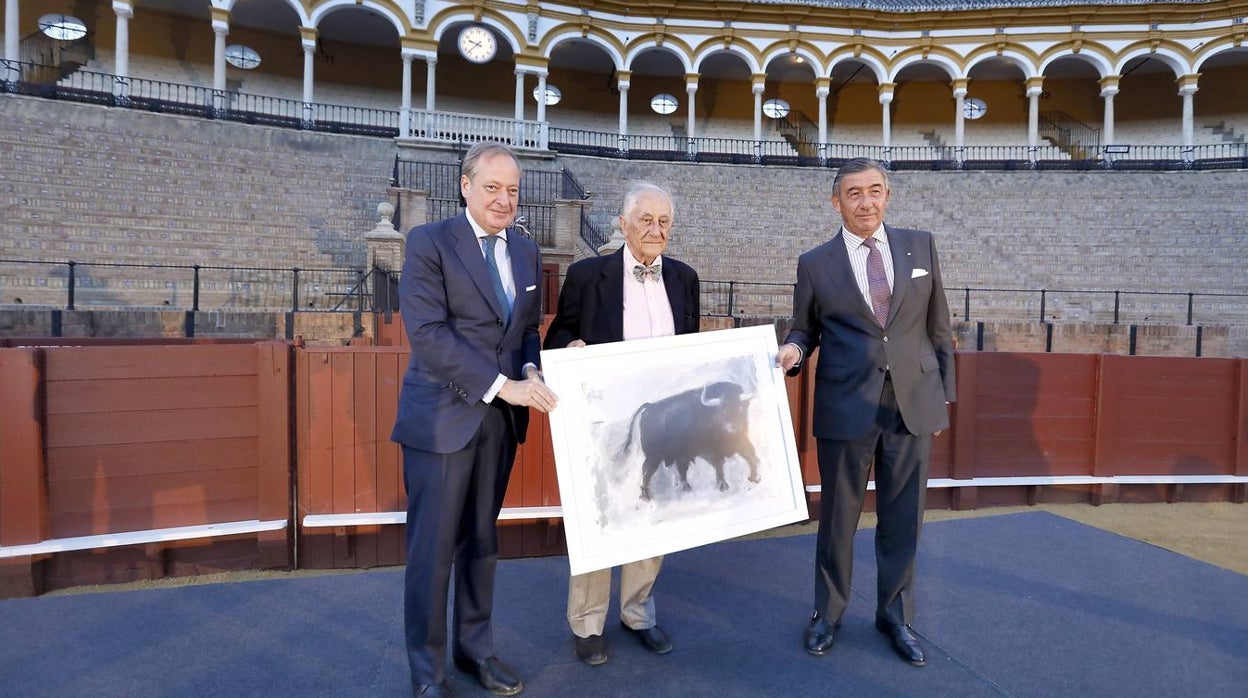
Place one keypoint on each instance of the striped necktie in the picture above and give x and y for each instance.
(877, 282)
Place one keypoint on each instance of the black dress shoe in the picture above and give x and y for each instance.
(493, 674)
(820, 635)
(653, 638)
(592, 650)
(905, 644)
(437, 690)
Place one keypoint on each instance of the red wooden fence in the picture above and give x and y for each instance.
(110, 449)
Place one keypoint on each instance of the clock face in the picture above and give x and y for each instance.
(974, 108)
(477, 44)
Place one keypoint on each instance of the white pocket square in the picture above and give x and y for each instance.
(916, 273)
(534, 287)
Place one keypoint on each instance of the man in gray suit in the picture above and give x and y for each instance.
(872, 301)
(470, 305)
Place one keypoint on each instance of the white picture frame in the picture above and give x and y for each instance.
(694, 398)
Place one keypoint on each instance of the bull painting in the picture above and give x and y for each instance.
(711, 423)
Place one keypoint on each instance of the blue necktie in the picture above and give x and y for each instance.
(488, 242)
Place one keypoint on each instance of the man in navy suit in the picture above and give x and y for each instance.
(468, 295)
(872, 301)
(635, 293)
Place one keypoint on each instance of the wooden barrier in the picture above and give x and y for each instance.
(178, 459)
(143, 446)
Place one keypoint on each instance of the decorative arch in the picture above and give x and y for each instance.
(803, 49)
(1020, 56)
(936, 55)
(382, 7)
(1169, 52)
(1089, 51)
(608, 43)
(304, 18)
(1213, 48)
(717, 45)
(647, 42)
(443, 21)
(871, 57)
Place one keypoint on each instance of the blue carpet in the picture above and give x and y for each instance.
(1021, 605)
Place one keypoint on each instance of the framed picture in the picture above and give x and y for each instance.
(669, 443)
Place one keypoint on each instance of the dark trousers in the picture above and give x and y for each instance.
(901, 464)
(453, 500)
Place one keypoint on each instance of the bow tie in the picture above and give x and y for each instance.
(640, 273)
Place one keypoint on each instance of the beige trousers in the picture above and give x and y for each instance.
(589, 595)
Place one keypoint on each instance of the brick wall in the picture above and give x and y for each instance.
(88, 183)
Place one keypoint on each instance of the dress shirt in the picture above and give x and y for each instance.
(647, 311)
(503, 258)
(858, 259)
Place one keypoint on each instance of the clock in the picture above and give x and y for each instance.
(477, 44)
(974, 108)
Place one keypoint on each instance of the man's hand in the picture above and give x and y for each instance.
(576, 343)
(788, 356)
(530, 392)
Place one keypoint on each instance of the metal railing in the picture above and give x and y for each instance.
(1077, 146)
(73, 285)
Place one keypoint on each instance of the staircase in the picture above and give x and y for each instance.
(801, 133)
(47, 60)
(943, 151)
(1226, 133)
(1074, 137)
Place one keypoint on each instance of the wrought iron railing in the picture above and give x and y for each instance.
(1077, 146)
(73, 285)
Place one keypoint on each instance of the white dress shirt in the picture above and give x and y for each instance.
(647, 311)
(503, 258)
(858, 259)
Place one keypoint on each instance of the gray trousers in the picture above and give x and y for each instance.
(589, 595)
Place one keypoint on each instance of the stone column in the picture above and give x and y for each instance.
(691, 128)
(758, 83)
(1187, 90)
(1109, 88)
(567, 231)
(886, 117)
(543, 128)
(691, 91)
(220, 30)
(309, 35)
(431, 79)
(541, 96)
(121, 59)
(12, 40)
(519, 94)
(823, 87)
(622, 82)
(1034, 90)
(405, 101)
(959, 119)
(413, 207)
(385, 244)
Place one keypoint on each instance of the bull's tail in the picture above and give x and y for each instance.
(628, 439)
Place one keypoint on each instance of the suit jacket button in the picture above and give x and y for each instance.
(498, 322)
(885, 338)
